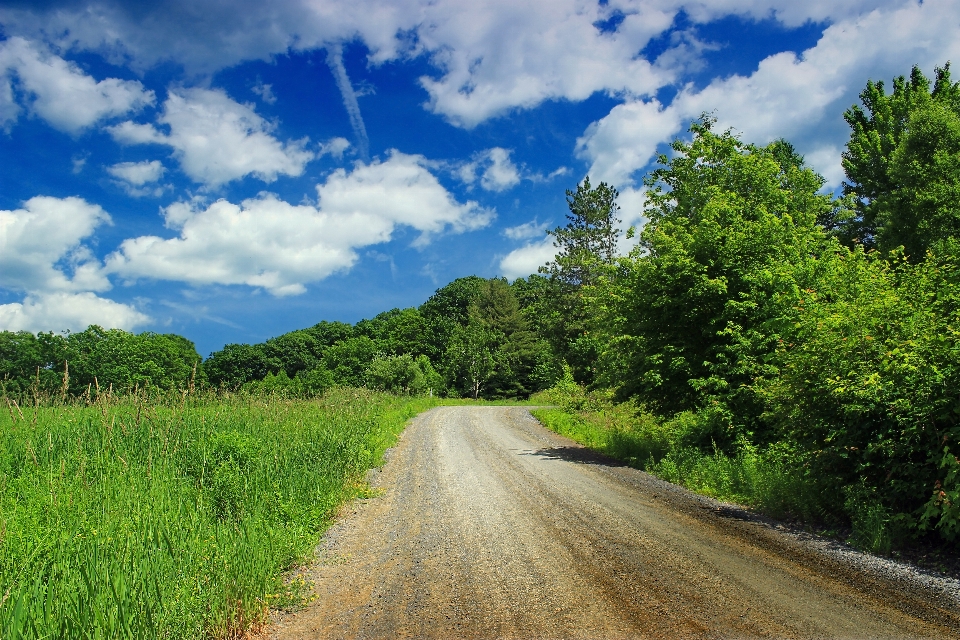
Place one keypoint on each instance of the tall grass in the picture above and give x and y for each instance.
(129, 518)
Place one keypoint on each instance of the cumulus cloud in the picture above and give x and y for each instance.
(526, 260)
(216, 139)
(490, 57)
(62, 311)
(137, 173)
(800, 97)
(334, 147)
(42, 254)
(493, 167)
(41, 246)
(60, 92)
(138, 178)
(265, 91)
(266, 242)
(626, 139)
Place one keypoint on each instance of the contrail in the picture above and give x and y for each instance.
(335, 61)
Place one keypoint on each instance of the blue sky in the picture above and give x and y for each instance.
(232, 171)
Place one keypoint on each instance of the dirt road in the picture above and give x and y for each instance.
(490, 526)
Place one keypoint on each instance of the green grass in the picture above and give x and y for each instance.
(136, 519)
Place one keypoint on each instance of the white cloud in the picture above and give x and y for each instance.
(41, 253)
(501, 173)
(138, 178)
(217, 140)
(42, 242)
(527, 230)
(524, 261)
(493, 167)
(626, 139)
(334, 147)
(491, 57)
(265, 91)
(266, 242)
(60, 92)
(801, 98)
(137, 173)
(63, 311)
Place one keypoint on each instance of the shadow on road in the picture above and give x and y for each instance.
(579, 455)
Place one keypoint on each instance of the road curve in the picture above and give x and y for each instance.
(490, 526)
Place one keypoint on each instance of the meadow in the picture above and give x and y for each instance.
(174, 516)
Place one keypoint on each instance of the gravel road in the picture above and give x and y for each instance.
(490, 526)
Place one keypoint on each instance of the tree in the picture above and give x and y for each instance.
(403, 374)
(237, 364)
(447, 309)
(586, 252)
(515, 348)
(398, 331)
(469, 361)
(348, 360)
(888, 135)
(292, 352)
(700, 304)
(589, 240)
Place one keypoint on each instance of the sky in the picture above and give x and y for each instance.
(230, 171)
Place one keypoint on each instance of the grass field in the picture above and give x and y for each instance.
(176, 517)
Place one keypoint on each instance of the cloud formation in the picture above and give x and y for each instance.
(41, 246)
(59, 91)
(799, 97)
(493, 167)
(42, 255)
(139, 178)
(61, 311)
(527, 230)
(526, 260)
(216, 139)
(490, 57)
(266, 242)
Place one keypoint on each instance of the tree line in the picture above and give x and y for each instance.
(754, 308)
(472, 338)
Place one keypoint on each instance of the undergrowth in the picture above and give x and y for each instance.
(772, 479)
(174, 517)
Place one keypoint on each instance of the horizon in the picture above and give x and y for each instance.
(232, 174)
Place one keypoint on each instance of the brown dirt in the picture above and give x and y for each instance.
(490, 526)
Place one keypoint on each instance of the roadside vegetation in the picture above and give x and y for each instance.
(764, 341)
(770, 343)
(174, 516)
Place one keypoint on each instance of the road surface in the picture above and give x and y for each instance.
(490, 526)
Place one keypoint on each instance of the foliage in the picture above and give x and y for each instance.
(869, 382)
(788, 371)
(589, 240)
(96, 357)
(586, 251)
(403, 374)
(469, 362)
(704, 299)
(899, 142)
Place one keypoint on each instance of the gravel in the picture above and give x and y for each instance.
(489, 526)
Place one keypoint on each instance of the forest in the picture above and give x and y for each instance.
(756, 317)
